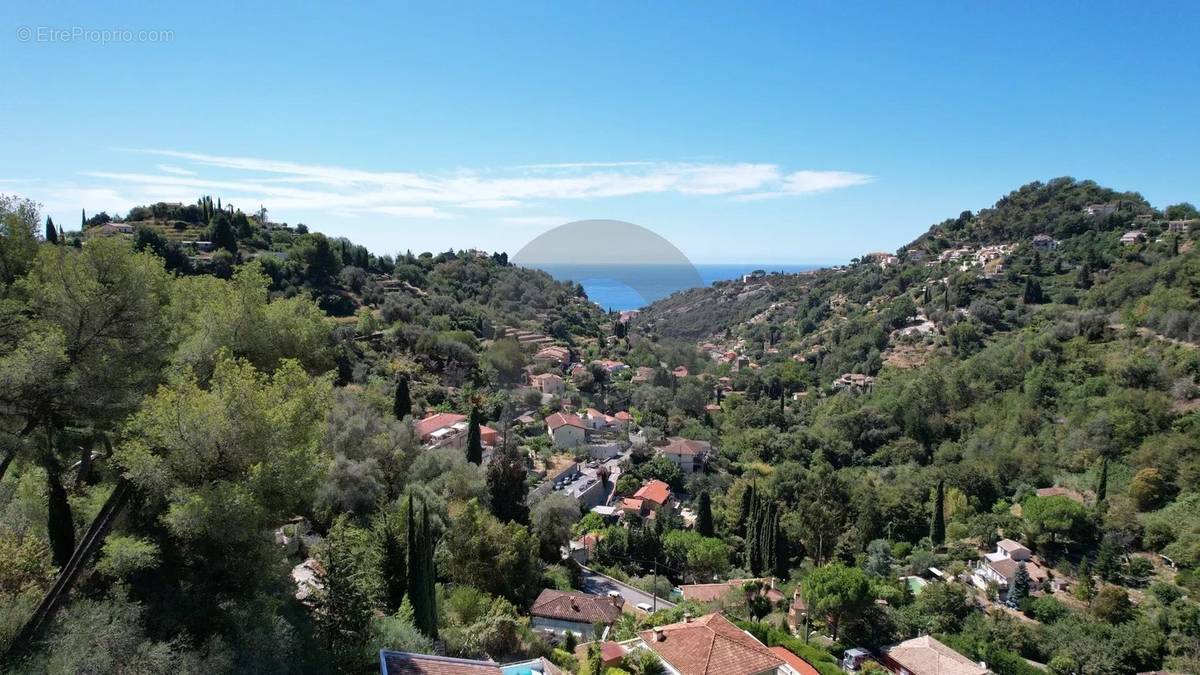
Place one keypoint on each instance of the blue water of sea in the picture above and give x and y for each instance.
(622, 287)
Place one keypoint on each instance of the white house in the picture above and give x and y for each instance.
(566, 430)
(688, 455)
(548, 383)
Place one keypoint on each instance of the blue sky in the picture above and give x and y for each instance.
(761, 133)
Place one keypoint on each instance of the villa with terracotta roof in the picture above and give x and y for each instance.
(449, 430)
(566, 430)
(571, 611)
(553, 355)
(710, 645)
(709, 593)
(406, 663)
(688, 455)
(548, 383)
(926, 656)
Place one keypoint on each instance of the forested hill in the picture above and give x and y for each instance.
(782, 307)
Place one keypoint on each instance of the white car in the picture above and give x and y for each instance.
(644, 606)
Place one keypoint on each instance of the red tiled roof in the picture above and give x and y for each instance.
(437, 421)
(405, 663)
(684, 446)
(655, 491)
(926, 656)
(563, 419)
(710, 645)
(714, 592)
(611, 652)
(631, 503)
(577, 607)
(624, 416)
(798, 664)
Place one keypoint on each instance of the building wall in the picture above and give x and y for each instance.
(568, 436)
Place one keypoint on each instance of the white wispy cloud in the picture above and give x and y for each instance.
(293, 186)
(177, 170)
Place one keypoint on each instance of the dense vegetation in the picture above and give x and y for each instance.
(257, 400)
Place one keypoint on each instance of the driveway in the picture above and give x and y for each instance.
(599, 584)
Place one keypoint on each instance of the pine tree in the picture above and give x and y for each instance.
(704, 518)
(344, 606)
(1020, 586)
(51, 232)
(402, 403)
(1102, 487)
(937, 528)
(1085, 588)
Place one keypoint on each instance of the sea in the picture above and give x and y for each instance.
(625, 287)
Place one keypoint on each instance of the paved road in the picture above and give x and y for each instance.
(599, 584)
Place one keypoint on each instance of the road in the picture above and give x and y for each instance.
(599, 584)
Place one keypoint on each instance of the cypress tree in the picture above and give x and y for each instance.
(402, 404)
(51, 232)
(82, 219)
(421, 591)
(937, 528)
(393, 559)
(704, 519)
(746, 506)
(1102, 487)
(782, 553)
(474, 439)
(946, 299)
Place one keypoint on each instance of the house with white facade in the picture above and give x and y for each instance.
(566, 430)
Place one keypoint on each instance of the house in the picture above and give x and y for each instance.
(1044, 243)
(1100, 210)
(611, 654)
(1133, 237)
(566, 430)
(916, 254)
(854, 381)
(655, 494)
(556, 355)
(1000, 567)
(681, 371)
(709, 593)
(926, 656)
(109, 230)
(688, 455)
(598, 421)
(610, 366)
(449, 430)
(796, 663)
(623, 419)
(710, 645)
(797, 611)
(548, 383)
(407, 663)
(561, 612)
(1181, 226)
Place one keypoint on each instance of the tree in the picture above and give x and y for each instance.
(1149, 489)
(945, 607)
(1032, 295)
(343, 596)
(1112, 605)
(421, 571)
(402, 401)
(1102, 486)
(51, 232)
(1085, 589)
(552, 518)
(499, 558)
(506, 484)
(704, 517)
(879, 558)
(1050, 519)
(937, 527)
(836, 592)
(1020, 586)
(18, 236)
(474, 440)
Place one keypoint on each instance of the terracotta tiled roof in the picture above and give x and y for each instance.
(577, 607)
(684, 446)
(798, 664)
(710, 645)
(405, 663)
(611, 652)
(437, 421)
(655, 491)
(563, 419)
(1061, 492)
(927, 656)
(714, 592)
(624, 416)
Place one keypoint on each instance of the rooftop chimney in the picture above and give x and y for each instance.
(659, 636)
(687, 617)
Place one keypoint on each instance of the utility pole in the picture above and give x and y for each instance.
(654, 588)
